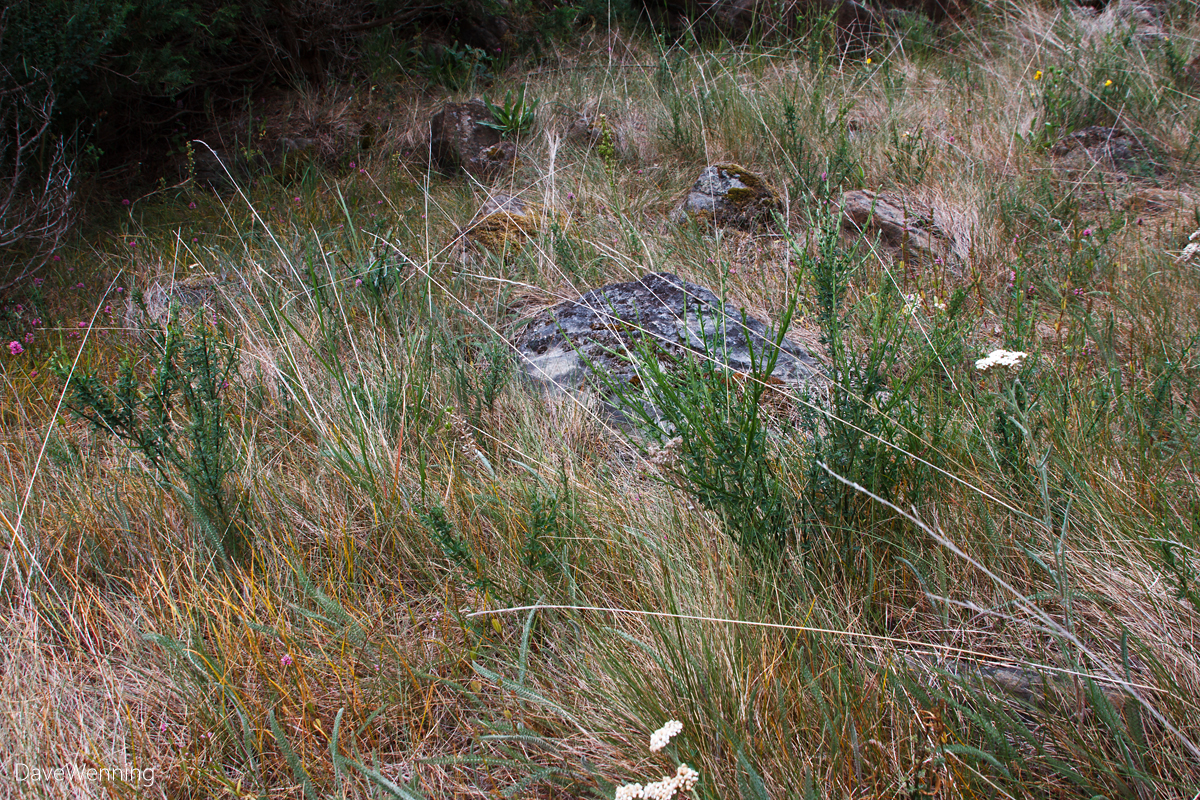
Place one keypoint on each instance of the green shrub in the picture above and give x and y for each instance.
(175, 417)
(889, 405)
(708, 428)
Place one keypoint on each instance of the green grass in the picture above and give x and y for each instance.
(460, 588)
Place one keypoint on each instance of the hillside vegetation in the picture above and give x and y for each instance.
(283, 518)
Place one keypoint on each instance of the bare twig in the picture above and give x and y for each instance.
(37, 174)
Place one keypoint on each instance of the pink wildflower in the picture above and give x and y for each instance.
(15, 348)
(286, 661)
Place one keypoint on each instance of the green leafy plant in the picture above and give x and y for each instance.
(176, 418)
(1102, 84)
(512, 117)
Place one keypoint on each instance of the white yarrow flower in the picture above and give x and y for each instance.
(1002, 358)
(687, 777)
(1190, 251)
(660, 790)
(659, 739)
(684, 779)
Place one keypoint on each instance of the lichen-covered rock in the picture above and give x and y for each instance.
(899, 222)
(728, 194)
(459, 139)
(604, 327)
(505, 218)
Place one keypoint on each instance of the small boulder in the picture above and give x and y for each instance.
(196, 295)
(587, 130)
(605, 326)
(728, 194)
(505, 217)
(459, 139)
(1151, 200)
(896, 221)
(222, 170)
(1111, 150)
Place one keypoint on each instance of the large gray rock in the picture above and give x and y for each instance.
(459, 139)
(604, 327)
(728, 194)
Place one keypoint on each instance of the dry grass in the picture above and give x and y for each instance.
(407, 513)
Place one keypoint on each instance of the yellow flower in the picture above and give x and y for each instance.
(868, 61)
(1037, 76)
(1108, 82)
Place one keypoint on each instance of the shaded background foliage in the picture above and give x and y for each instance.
(96, 87)
(99, 92)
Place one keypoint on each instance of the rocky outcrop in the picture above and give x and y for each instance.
(728, 194)
(459, 139)
(605, 328)
(898, 222)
